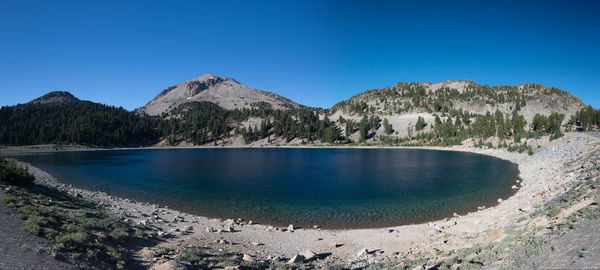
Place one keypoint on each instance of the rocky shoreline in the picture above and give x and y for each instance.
(543, 176)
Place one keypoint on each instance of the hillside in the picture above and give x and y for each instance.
(404, 103)
(61, 118)
(225, 92)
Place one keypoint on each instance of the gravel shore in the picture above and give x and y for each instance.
(543, 176)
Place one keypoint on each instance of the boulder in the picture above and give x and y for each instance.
(296, 259)
(362, 252)
(169, 265)
(308, 254)
(247, 258)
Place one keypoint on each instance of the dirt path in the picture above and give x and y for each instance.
(20, 250)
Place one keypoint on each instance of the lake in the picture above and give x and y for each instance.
(334, 188)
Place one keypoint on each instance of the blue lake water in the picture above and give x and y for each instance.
(334, 188)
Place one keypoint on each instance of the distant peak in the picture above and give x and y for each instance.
(56, 97)
(206, 77)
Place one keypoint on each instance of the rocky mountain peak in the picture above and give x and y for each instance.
(56, 97)
(225, 92)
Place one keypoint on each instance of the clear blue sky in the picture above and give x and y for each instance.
(315, 52)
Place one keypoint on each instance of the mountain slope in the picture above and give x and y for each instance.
(225, 92)
(404, 103)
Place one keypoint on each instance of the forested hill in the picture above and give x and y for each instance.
(60, 118)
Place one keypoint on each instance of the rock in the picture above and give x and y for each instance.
(247, 258)
(169, 265)
(514, 187)
(308, 254)
(229, 222)
(250, 222)
(223, 242)
(385, 230)
(418, 267)
(362, 252)
(290, 228)
(228, 229)
(296, 259)
(237, 267)
(335, 245)
(189, 228)
(209, 229)
(500, 200)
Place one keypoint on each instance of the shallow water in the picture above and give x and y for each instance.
(334, 188)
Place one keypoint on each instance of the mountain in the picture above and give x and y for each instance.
(56, 97)
(203, 111)
(403, 103)
(225, 92)
(61, 118)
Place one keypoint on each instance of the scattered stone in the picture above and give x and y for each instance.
(308, 254)
(250, 222)
(336, 245)
(256, 244)
(247, 258)
(362, 252)
(418, 267)
(296, 259)
(229, 222)
(385, 231)
(223, 242)
(209, 229)
(514, 187)
(169, 265)
(237, 267)
(228, 229)
(189, 228)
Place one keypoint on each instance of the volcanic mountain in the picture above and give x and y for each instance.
(225, 92)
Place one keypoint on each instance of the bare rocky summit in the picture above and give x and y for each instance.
(56, 97)
(225, 92)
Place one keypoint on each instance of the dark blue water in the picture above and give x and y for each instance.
(334, 188)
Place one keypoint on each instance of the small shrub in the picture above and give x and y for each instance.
(193, 256)
(12, 174)
(73, 241)
(32, 229)
(119, 235)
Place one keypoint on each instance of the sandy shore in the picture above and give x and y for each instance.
(544, 176)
